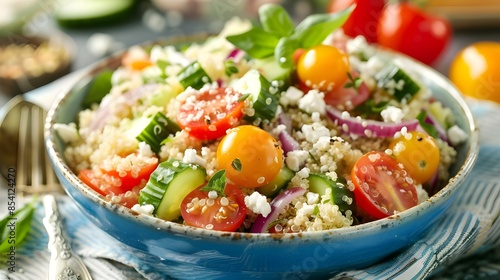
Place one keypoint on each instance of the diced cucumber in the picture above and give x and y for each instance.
(98, 88)
(279, 182)
(272, 71)
(153, 130)
(168, 185)
(162, 96)
(441, 114)
(264, 97)
(340, 194)
(397, 82)
(193, 76)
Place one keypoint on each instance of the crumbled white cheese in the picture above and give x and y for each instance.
(295, 159)
(304, 172)
(313, 101)
(313, 132)
(258, 204)
(191, 157)
(67, 132)
(306, 210)
(421, 193)
(291, 96)
(373, 66)
(146, 209)
(312, 198)
(456, 135)
(392, 114)
(360, 46)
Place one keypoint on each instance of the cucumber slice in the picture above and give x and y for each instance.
(168, 185)
(85, 13)
(279, 182)
(340, 194)
(264, 96)
(193, 76)
(397, 82)
(153, 130)
(273, 71)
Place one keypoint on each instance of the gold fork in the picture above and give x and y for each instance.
(35, 176)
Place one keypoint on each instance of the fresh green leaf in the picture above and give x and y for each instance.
(216, 183)
(236, 164)
(230, 67)
(315, 28)
(429, 128)
(14, 228)
(275, 20)
(354, 83)
(256, 42)
(98, 88)
(284, 51)
(370, 108)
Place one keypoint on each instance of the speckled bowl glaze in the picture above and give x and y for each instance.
(185, 252)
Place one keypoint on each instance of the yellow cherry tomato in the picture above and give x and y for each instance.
(419, 154)
(250, 156)
(476, 71)
(323, 67)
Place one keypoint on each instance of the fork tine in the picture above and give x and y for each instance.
(22, 179)
(36, 175)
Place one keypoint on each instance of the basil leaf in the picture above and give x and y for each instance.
(256, 42)
(15, 227)
(216, 183)
(429, 128)
(98, 88)
(275, 20)
(315, 28)
(284, 51)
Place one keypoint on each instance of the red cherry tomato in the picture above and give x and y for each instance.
(209, 114)
(224, 213)
(381, 186)
(408, 29)
(364, 18)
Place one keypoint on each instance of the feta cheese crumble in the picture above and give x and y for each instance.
(392, 114)
(258, 204)
(146, 209)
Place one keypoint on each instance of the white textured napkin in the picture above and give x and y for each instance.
(472, 225)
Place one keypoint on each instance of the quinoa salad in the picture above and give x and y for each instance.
(263, 128)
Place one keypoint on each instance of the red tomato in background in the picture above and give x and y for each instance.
(225, 213)
(381, 186)
(364, 18)
(408, 29)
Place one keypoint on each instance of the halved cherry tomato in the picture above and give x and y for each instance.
(382, 186)
(210, 113)
(224, 213)
(250, 156)
(126, 187)
(323, 67)
(346, 98)
(419, 154)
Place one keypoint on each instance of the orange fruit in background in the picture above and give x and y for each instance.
(476, 71)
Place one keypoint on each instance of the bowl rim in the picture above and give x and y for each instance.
(176, 228)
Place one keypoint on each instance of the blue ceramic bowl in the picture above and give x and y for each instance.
(185, 252)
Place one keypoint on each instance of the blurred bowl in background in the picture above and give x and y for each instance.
(28, 62)
(215, 10)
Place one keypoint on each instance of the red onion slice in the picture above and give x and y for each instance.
(277, 205)
(288, 143)
(439, 129)
(369, 128)
(236, 55)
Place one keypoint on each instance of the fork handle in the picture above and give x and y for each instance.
(64, 263)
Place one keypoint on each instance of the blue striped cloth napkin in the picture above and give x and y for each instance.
(471, 226)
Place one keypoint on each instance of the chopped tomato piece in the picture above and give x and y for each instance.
(382, 186)
(210, 113)
(224, 213)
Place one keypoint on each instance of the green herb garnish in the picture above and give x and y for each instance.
(216, 183)
(354, 83)
(230, 67)
(236, 164)
(429, 128)
(16, 226)
(280, 38)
